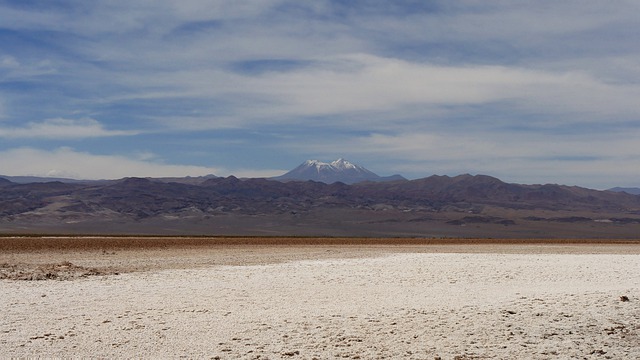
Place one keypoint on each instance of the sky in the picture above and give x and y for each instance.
(530, 92)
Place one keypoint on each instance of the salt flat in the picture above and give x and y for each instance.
(388, 304)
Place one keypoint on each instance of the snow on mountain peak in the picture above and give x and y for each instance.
(337, 165)
(343, 164)
(318, 165)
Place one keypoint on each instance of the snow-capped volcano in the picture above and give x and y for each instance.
(340, 170)
(338, 166)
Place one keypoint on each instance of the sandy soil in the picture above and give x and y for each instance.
(504, 301)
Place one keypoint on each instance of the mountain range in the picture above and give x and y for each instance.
(436, 206)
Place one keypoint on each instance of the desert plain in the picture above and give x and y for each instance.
(306, 298)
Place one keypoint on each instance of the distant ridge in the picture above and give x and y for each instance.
(436, 206)
(194, 180)
(340, 170)
(631, 190)
(42, 179)
(4, 181)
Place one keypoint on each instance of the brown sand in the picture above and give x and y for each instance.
(319, 298)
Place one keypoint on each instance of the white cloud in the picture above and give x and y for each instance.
(68, 162)
(363, 87)
(348, 75)
(62, 129)
(366, 84)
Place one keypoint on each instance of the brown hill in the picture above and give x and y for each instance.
(464, 205)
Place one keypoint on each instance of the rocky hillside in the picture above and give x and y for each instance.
(233, 206)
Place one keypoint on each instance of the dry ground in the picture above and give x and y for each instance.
(304, 298)
(70, 257)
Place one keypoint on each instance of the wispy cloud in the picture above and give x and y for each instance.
(70, 163)
(67, 162)
(365, 83)
(11, 69)
(62, 129)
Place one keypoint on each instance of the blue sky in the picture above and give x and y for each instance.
(530, 92)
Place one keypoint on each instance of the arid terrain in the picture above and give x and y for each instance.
(305, 298)
(437, 206)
